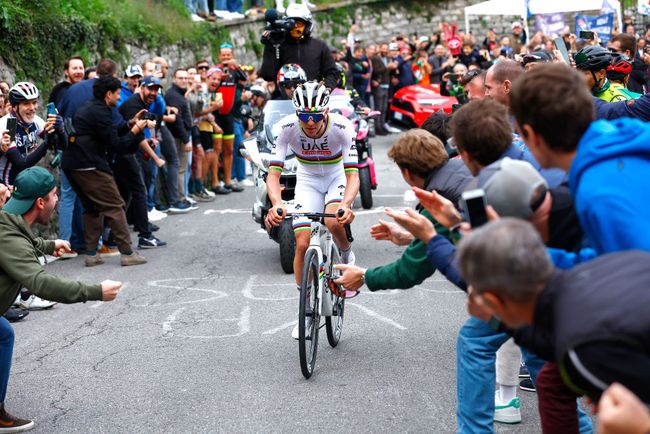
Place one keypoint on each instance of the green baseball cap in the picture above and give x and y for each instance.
(30, 184)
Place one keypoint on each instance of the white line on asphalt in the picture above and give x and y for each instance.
(159, 284)
(374, 314)
(282, 327)
(226, 211)
(250, 284)
(167, 325)
(243, 322)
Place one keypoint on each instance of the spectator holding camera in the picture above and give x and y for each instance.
(33, 201)
(297, 46)
(86, 164)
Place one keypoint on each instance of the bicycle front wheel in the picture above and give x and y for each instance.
(334, 323)
(308, 317)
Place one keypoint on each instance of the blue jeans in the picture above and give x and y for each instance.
(476, 350)
(6, 352)
(71, 224)
(230, 5)
(238, 162)
(151, 188)
(188, 174)
(195, 6)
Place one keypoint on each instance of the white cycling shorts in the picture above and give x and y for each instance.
(314, 193)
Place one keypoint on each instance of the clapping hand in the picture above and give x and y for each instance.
(392, 232)
(441, 208)
(417, 224)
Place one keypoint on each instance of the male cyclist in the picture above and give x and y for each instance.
(593, 61)
(618, 74)
(327, 177)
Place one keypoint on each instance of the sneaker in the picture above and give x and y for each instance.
(203, 196)
(523, 371)
(507, 413)
(221, 190)
(527, 385)
(154, 215)
(205, 191)
(247, 183)
(295, 332)
(196, 18)
(15, 314)
(69, 255)
(153, 227)
(150, 243)
(180, 208)
(9, 423)
(132, 259)
(234, 187)
(36, 303)
(162, 208)
(107, 251)
(190, 201)
(92, 260)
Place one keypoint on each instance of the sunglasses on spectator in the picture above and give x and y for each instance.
(306, 117)
(226, 45)
(203, 67)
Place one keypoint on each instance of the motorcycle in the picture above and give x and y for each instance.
(257, 149)
(340, 103)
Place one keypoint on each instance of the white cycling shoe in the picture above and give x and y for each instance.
(295, 332)
(351, 258)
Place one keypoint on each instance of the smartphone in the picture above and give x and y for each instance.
(561, 47)
(473, 203)
(455, 107)
(11, 126)
(51, 109)
(158, 67)
(587, 35)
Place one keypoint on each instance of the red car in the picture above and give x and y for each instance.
(412, 105)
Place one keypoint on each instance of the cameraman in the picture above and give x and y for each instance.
(312, 54)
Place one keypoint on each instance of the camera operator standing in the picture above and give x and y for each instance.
(289, 40)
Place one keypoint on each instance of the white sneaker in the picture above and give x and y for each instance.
(190, 200)
(246, 183)
(236, 16)
(34, 302)
(196, 18)
(154, 215)
(295, 332)
(506, 412)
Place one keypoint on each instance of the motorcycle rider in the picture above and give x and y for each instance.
(289, 77)
(299, 47)
(327, 176)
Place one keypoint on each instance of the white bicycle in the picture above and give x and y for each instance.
(320, 296)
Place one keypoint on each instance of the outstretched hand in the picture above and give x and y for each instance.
(389, 231)
(441, 208)
(110, 289)
(352, 277)
(417, 224)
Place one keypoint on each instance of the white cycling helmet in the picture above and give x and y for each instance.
(311, 96)
(21, 92)
(299, 11)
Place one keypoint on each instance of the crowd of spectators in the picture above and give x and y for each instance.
(558, 146)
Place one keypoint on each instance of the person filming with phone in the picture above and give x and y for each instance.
(290, 40)
(29, 135)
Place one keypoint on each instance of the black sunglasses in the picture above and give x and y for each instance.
(202, 67)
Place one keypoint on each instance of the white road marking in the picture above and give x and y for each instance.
(262, 231)
(280, 328)
(167, 325)
(381, 318)
(248, 290)
(96, 305)
(160, 284)
(226, 211)
(243, 324)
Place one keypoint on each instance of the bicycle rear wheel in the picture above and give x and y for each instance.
(334, 323)
(308, 317)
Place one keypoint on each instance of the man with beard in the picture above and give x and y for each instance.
(74, 73)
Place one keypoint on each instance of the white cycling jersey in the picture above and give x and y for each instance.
(332, 152)
(323, 163)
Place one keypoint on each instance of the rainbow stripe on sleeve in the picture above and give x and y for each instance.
(276, 165)
(351, 167)
(301, 227)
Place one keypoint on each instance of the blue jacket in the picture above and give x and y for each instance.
(609, 185)
(636, 108)
(77, 95)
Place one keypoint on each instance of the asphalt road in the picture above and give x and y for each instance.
(199, 341)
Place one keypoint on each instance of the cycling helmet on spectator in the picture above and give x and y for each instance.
(593, 58)
(341, 82)
(299, 11)
(312, 97)
(291, 75)
(21, 92)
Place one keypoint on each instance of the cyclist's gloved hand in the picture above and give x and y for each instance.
(347, 217)
(273, 218)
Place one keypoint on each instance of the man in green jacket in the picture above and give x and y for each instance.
(424, 163)
(33, 201)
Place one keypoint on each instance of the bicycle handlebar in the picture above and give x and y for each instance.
(320, 215)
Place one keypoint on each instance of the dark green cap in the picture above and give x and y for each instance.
(30, 184)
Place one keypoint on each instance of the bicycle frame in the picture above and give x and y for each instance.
(325, 305)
